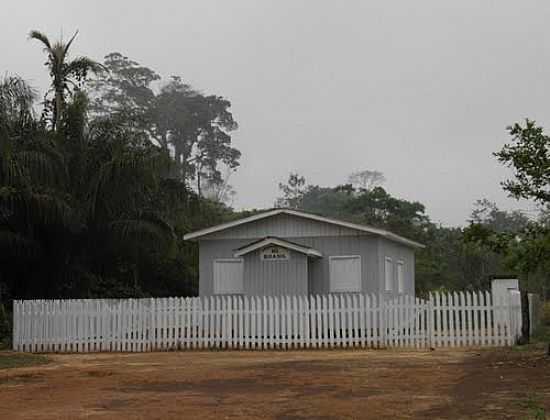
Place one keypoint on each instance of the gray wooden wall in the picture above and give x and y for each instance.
(266, 277)
(275, 278)
(287, 277)
(396, 252)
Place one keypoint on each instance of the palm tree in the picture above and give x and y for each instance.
(30, 173)
(66, 74)
(16, 99)
(69, 207)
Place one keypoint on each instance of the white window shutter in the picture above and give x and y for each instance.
(400, 277)
(388, 275)
(228, 276)
(345, 273)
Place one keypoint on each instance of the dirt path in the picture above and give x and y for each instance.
(280, 385)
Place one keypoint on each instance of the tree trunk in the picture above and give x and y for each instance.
(57, 109)
(199, 182)
(164, 140)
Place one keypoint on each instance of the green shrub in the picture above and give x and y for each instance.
(5, 327)
(13, 360)
(546, 313)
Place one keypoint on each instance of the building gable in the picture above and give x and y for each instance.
(288, 223)
(282, 226)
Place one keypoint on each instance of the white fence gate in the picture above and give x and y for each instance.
(316, 321)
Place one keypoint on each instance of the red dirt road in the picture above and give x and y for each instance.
(280, 385)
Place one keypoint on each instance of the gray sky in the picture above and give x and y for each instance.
(422, 91)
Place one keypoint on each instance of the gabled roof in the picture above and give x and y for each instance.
(270, 240)
(270, 213)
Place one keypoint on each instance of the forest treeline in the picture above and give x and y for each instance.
(101, 177)
(455, 258)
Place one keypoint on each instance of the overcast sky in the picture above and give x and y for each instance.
(422, 91)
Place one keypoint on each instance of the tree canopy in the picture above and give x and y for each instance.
(449, 261)
(193, 127)
(66, 75)
(89, 204)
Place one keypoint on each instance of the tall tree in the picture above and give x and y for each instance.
(124, 92)
(527, 250)
(366, 179)
(220, 190)
(529, 156)
(293, 191)
(487, 213)
(194, 128)
(88, 209)
(66, 75)
(198, 128)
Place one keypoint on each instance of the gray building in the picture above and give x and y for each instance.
(289, 252)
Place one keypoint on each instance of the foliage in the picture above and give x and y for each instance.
(366, 179)
(546, 314)
(219, 189)
(487, 214)
(529, 155)
(524, 244)
(447, 263)
(525, 250)
(10, 360)
(124, 92)
(89, 206)
(65, 75)
(194, 127)
(293, 192)
(534, 405)
(77, 200)
(5, 326)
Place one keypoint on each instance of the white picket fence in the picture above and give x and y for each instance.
(289, 322)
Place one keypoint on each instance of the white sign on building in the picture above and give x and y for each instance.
(274, 253)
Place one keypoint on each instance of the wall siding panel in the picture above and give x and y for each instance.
(283, 226)
(396, 252)
(275, 278)
(316, 271)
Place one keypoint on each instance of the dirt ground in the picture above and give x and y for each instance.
(281, 385)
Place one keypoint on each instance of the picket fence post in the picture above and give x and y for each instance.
(431, 321)
(15, 331)
(382, 319)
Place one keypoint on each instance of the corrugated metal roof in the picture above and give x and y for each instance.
(310, 216)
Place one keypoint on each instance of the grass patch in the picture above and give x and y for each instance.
(546, 313)
(542, 334)
(13, 360)
(540, 339)
(533, 405)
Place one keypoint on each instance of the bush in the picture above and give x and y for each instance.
(546, 313)
(5, 326)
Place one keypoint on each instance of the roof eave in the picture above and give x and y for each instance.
(195, 235)
(404, 241)
(366, 229)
